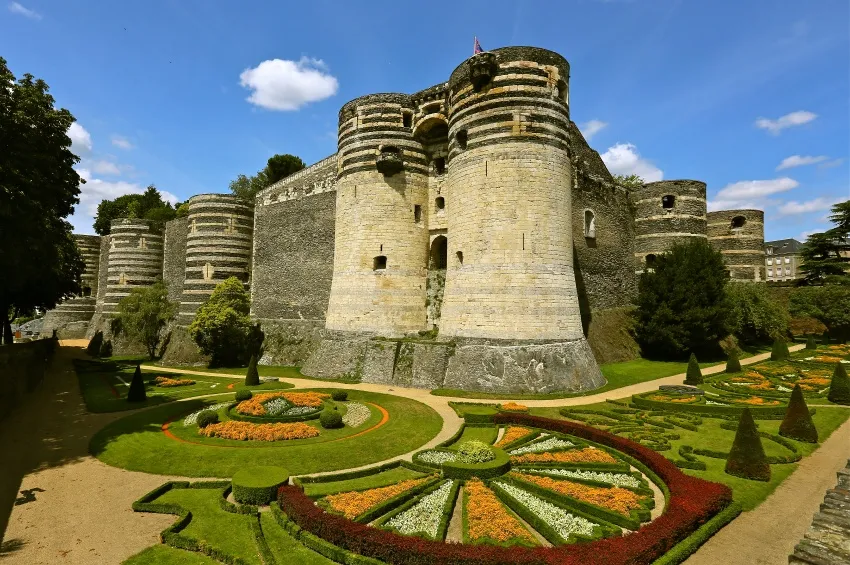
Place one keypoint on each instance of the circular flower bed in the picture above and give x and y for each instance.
(280, 407)
(242, 431)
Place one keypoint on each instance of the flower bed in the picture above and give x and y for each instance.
(514, 407)
(616, 479)
(257, 404)
(614, 498)
(357, 414)
(757, 401)
(436, 457)
(512, 434)
(487, 518)
(425, 515)
(192, 418)
(243, 431)
(586, 455)
(166, 382)
(355, 503)
(546, 445)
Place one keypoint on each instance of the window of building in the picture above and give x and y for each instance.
(440, 204)
(787, 271)
(770, 272)
(459, 256)
(86, 291)
(439, 252)
(207, 271)
(462, 137)
(770, 250)
(379, 263)
(417, 213)
(738, 222)
(787, 260)
(589, 224)
(143, 243)
(440, 165)
(668, 201)
(407, 119)
(768, 262)
(650, 260)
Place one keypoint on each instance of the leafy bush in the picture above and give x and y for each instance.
(811, 343)
(106, 349)
(258, 485)
(733, 364)
(828, 304)
(475, 451)
(222, 327)
(331, 419)
(754, 316)
(96, 342)
(798, 422)
(839, 387)
(252, 376)
(143, 315)
(694, 374)
(682, 304)
(780, 350)
(207, 417)
(747, 459)
(340, 395)
(137, 387)
(243, 394)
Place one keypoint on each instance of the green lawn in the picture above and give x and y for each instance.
(285, 549)
(166, 555)
(486, 434)
(381, 479)
(284, 371)
(136, 442)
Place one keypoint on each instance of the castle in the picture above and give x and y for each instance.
(465, 236)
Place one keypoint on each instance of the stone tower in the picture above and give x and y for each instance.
(381, 237)
(135, 260)
(71, 317)
(739, 236)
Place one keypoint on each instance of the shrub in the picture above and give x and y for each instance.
(474, 451)
(839, 388)
(798, 422)
(747, 459)
(829, 304)
(754, 316)
(207, 417)
(824, 338)
(340, 395)
(331, 419)
(258, 485)
(222, 327)
(733, 364)
(780, 350)
(243, 394)
(137, 387)
(106, 349)
(143, 315)
(252, 376)
(694, 374)
(96, 342)
(811, 343)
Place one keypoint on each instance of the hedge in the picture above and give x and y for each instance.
(758, 411)
(349, 474)
(498, 466)
(234, 415)
(689, 545)
(258, 485)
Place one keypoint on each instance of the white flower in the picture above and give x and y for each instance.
(298, 410)
(424, 516)
(712, 403)
(192, 418)
(545, 445)
(437, 457)
(617, 479)
(277, 406)
(559, 519)
(781, 388)
(357, 414)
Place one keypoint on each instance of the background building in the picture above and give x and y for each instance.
(782, 259)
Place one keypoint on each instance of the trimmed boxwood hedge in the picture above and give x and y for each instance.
(498, 466)
(760, 411)
(690, 544)
(258, 485)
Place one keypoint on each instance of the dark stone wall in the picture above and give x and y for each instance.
(174, 257)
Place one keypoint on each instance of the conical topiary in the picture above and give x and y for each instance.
(839, 388)
(137, 387)
(106, 349)
(780, 350)
(824, 338)
(747, 459)
(694, 375)
(96, 342)
(733, 364)
(811, 343)
(252, 377)
(798, 422)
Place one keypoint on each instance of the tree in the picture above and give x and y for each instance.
(682, 305)
(630, 181)
(38, 189)
(222, 326)
(252, 377)
(754, 317)
(694, 374)
(137, 387)
(829, 304)
(747, 459)
(839, 387)
(143, 314)
(811, 343)
(277, 168)
(149, 206)
(779, 352)
(798, 422)
(823, 261)
(733, 364)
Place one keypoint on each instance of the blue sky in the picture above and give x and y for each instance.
(749, 96)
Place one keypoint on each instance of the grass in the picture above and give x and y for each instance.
(279, 371)
(485, 434)
(381, 479)
(285, 549)
(166, 555)
(136, 442)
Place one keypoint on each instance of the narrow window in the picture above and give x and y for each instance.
(379, 263)
(86, 291)
(589, 225)
(406, 119)
(738, 222)
(461, 138)
(440, 204)
(650, 260)
(668, 201)
(440, 165)
(459, 255)
(143, 243)
(417, 213)
(439, 252)
(207, 271)
(563, 91)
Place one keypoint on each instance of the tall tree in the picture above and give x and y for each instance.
(38, 190)
(629, 181)
(824, 255)
(149, 205)
(277, 168)
(143, 315)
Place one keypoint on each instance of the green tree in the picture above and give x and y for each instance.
(747, 459)
(829, 304)
(798, 422)
(682, 304)
(252, 377)
(823, 262)
(630, 181)
(143, 315)
(694, 374)
(149, 206)
(222, 326)
(733, 364)
(277, 168)
(779, 352)
(38, 189)
(839, 387)
(811, 343)
(754, 317)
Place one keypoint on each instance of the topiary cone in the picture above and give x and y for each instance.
(798, 422)
(747, 459)
(252, 377)
(694, 375)
(780, 350)
(839, 387)
(137, 387)
(733, 364)
(811, 343)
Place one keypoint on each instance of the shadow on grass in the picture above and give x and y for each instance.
(11, 546)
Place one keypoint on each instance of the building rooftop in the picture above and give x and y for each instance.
(790, 245)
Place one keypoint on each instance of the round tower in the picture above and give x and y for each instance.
(89, 246)
(667, 212)
(510, 261)
(218, 246)
(70, 318)
(739, 236)
(135, 259)
(381, 235)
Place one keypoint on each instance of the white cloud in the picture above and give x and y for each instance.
(788, 120)
(104, 167)
(122, 142)
(830, 164)
(799, 161)
(591, 128)
(715, 205)
(80, 139)
(624, 159)
(817, 205)
(278, 84)
(754, 189)
(16, 8)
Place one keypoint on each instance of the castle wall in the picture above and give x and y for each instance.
(135, 260)
(89, 246)
(70, 318)
(657, 227)
(174, 257)
(739, 236)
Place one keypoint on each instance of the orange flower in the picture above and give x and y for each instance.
(166, 382)
(827, 359)
(488, 518)
(758, 401)
(512, 433)
(614, 498)
(663, 398)
(586, 455)
(514, 407)
(355, 503)
(261, 432)
(254, 405)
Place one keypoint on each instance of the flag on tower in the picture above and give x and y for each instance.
(477, 47)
